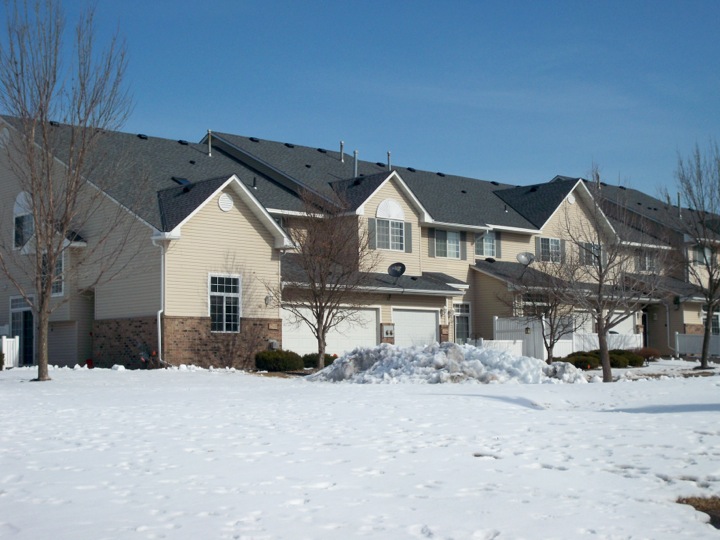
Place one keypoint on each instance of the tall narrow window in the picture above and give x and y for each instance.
(589, 253)
(57, 285)
(390, 226)
(462, 322)
(224, 302)
(23, 220)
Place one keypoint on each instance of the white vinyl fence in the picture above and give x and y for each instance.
(11, 350)
(529, 333)
(691, 344)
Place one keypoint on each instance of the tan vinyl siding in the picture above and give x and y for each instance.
(225, 243)
(62, 343)
(514, 243)
(457, 268)
(390, 190)
(490, 298)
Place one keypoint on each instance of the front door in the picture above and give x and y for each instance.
(22, 324)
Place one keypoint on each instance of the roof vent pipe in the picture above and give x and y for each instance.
(342, 151)
(209, 143)
(389, 166)
(679, 207)
(355, 167)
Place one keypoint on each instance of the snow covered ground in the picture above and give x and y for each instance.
(190, 453)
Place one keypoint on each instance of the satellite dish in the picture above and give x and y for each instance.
(525, 258)
(396, 269)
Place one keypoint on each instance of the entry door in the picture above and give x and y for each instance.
(22, 324)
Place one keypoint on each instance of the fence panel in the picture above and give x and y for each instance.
(691, 345)
(11, 350)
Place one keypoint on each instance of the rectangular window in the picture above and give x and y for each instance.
(224, 303)
(57, 285)
(550, 250)
(390, 234)
(589, 253)
(701, 256)
(24, 229)
(646, 262)
(447, 244)
(715, 328)
(462, 322)
(485, 245)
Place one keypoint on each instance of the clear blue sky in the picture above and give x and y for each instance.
(510, 91)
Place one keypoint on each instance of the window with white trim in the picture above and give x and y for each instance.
(447, 244)
(57, 286)
(715, 327)
(647, 262)
(462, 322)
(701, 256)
(485, 245)
(550, 250)
(224, 302)
(589, 253)
(22, 220)
(390, 226)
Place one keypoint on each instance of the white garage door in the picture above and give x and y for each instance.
(415, 327)
(345, 337)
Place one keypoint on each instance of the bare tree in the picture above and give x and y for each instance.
(539, 295)
(698, 179)
(324, 278)
(58, 109)
(613, 269)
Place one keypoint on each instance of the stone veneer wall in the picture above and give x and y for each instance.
(120, 341)
(188, 340)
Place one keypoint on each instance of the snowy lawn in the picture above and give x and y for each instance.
(194, 454)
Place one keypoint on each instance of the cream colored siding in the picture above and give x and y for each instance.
(390, 190)
(514, 243)
(221, 243)
(62, 343)
(490, 299)
(457, 268)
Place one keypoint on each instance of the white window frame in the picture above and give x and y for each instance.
(647, 262)
(389, 234)
(447, 244)
(228, 326)
(701, 255)
(485, 245)
(589, 253)
(462, 309)
(22, 220)
(715, 330)
(57, 288)
(552, 255)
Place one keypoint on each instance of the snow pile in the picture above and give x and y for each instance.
(442, 363)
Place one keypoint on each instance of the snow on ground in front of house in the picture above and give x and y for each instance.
(192, 453)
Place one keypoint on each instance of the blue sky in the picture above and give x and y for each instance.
(510, 91)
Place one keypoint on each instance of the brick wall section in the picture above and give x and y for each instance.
(695, 329)
(189, 341)
(120, 341)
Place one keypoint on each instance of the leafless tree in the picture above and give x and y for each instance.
(58, 109)
(539, 295)
(698, 180)
(613, 269)
(324, 277)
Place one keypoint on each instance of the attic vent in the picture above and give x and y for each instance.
(441, 174)
(463, 191)
(639, 203)
(494, 183)
(254, 139)
(54, 123)
(142, 136)
(307, 165)
(289, 145)
(489, 259)
(183, 142)
(357, 182)
(411, 169)
(192, 162)
(603, 184)
(622, 187)
(533, 189)
(379, 164)
(322, 150)
(181, 181)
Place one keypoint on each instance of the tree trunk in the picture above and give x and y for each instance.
(707, 335)
(549, 350)
(321, 354)
(604, 353)
(42, 344)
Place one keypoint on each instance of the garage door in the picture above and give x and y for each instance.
(345, 337)
(415, 327)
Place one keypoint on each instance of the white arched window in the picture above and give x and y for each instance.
(390, 226)
(23, 219)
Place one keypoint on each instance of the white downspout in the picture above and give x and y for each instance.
(160, 312)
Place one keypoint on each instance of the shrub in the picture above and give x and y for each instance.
(618, 360)
(278, 361)
(310, 360)
(583, 360)
(2, 360)
(648, 353)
